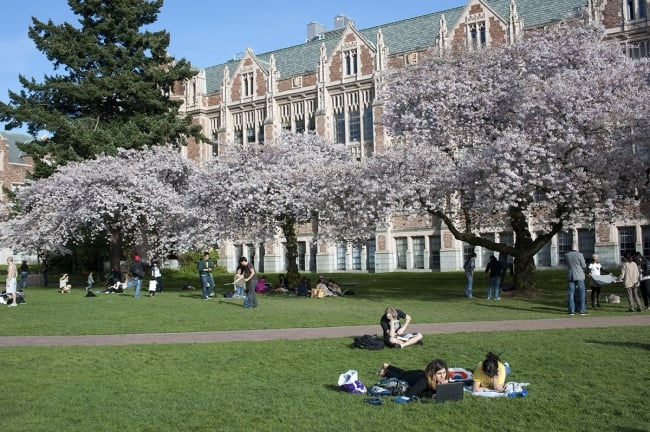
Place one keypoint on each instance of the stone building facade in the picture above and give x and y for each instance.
(328, 85)
(14, 167)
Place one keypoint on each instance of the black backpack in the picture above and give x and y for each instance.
(369, 342)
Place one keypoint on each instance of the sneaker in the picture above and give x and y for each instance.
(640, 310)
(571, 313)
(630, 310)
(489, 298)
(498, 298)
(13, 305)
(583, 313)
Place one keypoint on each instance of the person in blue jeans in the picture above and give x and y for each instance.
(137, 273)
(24, 274)
(250, 277)
(469, 267)
(205, 273)
(576, 266)
(494, 268)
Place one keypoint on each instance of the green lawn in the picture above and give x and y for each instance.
(581, 379)
(427, 297)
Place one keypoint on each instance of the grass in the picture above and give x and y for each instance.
(581, 379)
(427, 297)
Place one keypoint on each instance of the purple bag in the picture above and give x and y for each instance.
(350, 383)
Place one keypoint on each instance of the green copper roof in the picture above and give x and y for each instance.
(400, 36)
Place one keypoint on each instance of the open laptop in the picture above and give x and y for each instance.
(452, 391)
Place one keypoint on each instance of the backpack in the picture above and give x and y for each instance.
(369, 342)
(389, 387)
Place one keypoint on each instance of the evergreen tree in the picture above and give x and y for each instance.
(110, 88)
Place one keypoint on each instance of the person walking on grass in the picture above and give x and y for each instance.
(90, 282)
(12, 281)
(205, 273)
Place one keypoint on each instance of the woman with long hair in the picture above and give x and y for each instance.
(419, 381)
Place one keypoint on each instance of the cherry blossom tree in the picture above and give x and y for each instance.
(259, 190)
(134, 198)
(537, 136)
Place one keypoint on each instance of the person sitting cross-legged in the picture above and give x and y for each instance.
(395, 332)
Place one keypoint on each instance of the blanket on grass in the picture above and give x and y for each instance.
(512, 389)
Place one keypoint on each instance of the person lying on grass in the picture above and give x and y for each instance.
(419, 381)
(490, 374)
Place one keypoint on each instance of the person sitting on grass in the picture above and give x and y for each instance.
(490, 374)
(419, 381)
(64, 286)
(394, 332)
(334, 288)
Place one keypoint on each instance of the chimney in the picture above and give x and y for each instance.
(315, 31)
(340, 21)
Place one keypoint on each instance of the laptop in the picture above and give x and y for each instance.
(452, 391)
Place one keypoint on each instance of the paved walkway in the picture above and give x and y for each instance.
(641, 319)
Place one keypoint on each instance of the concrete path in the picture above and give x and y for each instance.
(631, 319)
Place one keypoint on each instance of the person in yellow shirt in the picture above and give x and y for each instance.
(490, 374)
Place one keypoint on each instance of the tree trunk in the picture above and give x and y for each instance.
(524, 274)
(289, 231)
(115, 243)
(523, 251)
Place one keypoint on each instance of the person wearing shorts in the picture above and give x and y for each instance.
(12, 275)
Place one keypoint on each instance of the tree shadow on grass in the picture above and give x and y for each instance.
(192, 295)
(638, 345)
(504, 305)
(233, 302)
(628, 429)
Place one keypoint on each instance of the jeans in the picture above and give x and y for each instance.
(23, 280)
(645, 292)
(137, 283)
(494, 287)
(581, 294)
(239, 290)
(252, 295)
(469, 285)
(207, 284)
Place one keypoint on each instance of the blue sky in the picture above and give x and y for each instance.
(205, 32)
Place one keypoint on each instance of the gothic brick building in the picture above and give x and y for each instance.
(14, 167)
(329, 84)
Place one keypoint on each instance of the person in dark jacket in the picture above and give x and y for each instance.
(494, 268)
(137, 272)
(419, 381)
